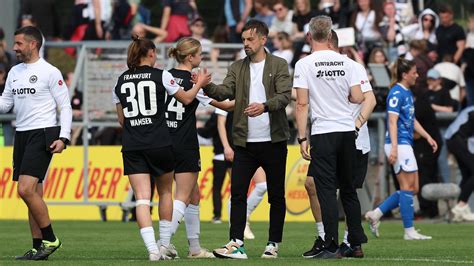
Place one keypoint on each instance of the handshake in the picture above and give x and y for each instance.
(201, 78)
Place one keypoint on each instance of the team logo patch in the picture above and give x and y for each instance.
(393, 102)
(33, 79)
(172, 82)
(60, 82)
(362, 82)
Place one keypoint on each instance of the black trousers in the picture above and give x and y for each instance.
(457, 145)
(428, 173)
(219, 169)
(332, 156)
(272, 158)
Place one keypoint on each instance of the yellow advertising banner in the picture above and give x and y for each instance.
(106, 184)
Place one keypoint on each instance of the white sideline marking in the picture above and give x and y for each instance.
(421, 260)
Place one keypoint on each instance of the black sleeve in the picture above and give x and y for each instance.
(460, 34)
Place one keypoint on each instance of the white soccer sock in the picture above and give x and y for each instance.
(346, 233)
(256, 197)
(410, 230)
(193, 224)
(377, 213)
(148, 235)
(165, 232)
(179, 208)
(320, 228)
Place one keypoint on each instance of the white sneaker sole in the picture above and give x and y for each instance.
(231, 256)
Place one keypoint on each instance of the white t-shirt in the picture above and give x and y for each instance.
(452, 72)
(285, 54)
(285, 25)
(35, 91)
(363, 140)
(220, 156)
(329, 77)
(259, 126)
(366, 26)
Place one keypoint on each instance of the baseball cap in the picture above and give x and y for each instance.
(433, 74)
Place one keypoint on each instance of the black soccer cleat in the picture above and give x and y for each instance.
(315, 250)
(47, 248)
(28, 255)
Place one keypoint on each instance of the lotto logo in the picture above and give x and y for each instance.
(330, 73)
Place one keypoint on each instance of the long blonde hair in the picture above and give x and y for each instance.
(185, 46)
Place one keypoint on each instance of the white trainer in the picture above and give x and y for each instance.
(169, 252)
(414, 235)
(154, 256)
(271, 252)
(374, 223)
(231, 250)
(462, 213)
(203, 254)
(248, 234)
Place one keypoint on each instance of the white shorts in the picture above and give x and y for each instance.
(406, 161)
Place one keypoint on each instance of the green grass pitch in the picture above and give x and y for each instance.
(116, 243)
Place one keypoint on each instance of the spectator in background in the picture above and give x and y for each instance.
(332, 9)
(365, 20)
(449, 70)
(6, 57)
(45, 14)
(175, 18)
(99, 13)
(418, 51)
(425, 29)
(426, 159)
(282, 20)
(143, 30)
(404, 11)
(6, 126)
(77, 25)
(264, 11)
(468, 59)
(236, 14)
(282, 42)
(438, 95)
(451, 37)
(390, 29)
(302, 14)
(198, 31)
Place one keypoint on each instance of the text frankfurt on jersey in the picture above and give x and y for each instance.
(137, 76)
(140, 122)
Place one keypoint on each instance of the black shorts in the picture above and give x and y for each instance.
(155, 162)
(360, 165)
(187, 161)
(30, 156)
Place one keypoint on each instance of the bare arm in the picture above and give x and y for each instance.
(98, 19)
(247, 9)
(120, 116)
(440, 108)
(461, 45)
(356, 95)
(368, 106)
(302, 107)
(161, 34)
(165, 17)
(224, 105)
(221, 129)
(393, 132)
(420, 130)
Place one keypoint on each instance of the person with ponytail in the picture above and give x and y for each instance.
(139, 96)
(401, 124)
(181, 118)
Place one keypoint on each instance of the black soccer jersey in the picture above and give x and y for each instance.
(142, 95)
(181, 119)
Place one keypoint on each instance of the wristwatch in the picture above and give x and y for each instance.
(302, 140)
(265, 108)
(65, 141)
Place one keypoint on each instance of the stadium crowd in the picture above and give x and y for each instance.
(382, 31)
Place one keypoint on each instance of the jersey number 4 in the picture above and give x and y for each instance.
(175, 106)
(137, 97)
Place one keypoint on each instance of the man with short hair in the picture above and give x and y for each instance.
(451, 37)
(282, 20)
(361, 114)
(326, 81)
(36, 90)
(261, 86)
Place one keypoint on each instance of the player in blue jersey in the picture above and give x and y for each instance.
(401, 124)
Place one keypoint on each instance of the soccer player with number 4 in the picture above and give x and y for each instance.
(147, 145)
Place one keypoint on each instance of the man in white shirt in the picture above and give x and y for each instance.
(36, 90)
(326, 81)
(360, 114)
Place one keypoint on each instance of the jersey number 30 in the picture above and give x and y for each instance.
(137, 97)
